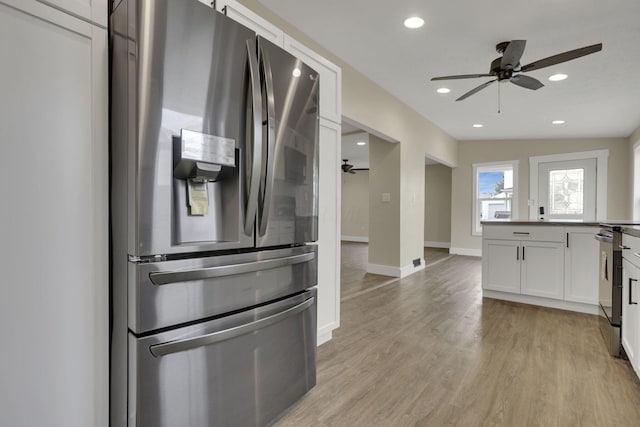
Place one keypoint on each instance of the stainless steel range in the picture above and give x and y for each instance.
(610, 285)
(213, 203)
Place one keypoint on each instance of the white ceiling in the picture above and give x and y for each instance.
(601, 97)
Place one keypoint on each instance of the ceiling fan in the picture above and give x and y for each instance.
(505, 67)
(346, 167)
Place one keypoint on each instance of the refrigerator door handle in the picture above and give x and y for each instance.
(176, 346)
(167, 277)
(271, 140)
(256, 125)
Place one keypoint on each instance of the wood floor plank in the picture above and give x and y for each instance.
(428, 350)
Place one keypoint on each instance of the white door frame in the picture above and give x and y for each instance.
(601, 157)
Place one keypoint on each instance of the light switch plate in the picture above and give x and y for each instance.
(386, 197)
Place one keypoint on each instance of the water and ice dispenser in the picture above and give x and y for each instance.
(206, 188)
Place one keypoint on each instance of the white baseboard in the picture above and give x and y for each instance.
(410, 269)
(384, 270)
(323, 338)
(388, 270)
(437, 244)
(361, 239)
(465, 251)
(544, 302)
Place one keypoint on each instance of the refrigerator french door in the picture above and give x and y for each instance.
(214, 195)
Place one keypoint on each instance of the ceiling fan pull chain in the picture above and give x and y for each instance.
(498, 97)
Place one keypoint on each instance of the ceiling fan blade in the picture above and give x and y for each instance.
(512, 54)
(562, 57)
(462, 76)
(526, 82)
(351, 171)
(475, 90)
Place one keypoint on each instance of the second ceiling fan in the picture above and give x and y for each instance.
(506, 67)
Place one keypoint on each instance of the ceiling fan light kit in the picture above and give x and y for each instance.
(346, 167)
(504, 68)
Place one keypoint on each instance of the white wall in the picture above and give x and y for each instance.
(437, 210)
(355, 206)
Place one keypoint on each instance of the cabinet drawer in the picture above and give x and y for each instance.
(523, 232)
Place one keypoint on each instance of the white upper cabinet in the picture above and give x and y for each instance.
(249, 19)
(91, 10)
(330, 78)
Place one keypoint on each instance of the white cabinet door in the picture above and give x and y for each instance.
(251, 20)
(630, 329)
(329, 230)
(91, 10)
(54, 250)
(501, 265)
(330, 78)
(543, 269)
(581, 265)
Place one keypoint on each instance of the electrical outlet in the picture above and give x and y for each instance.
(416, 262)
(386, 197)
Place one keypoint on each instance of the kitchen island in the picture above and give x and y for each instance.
(549, 263)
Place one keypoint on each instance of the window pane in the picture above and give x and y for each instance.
(490, 183)
(566, 190)
(493, 193)
(494, 209)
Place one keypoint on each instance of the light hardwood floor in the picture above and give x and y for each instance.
(428, 350)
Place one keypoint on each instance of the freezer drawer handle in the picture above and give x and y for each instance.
(166, 277)
(189, 343)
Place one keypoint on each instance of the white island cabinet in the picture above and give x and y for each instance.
(548, 264)
(524, 261)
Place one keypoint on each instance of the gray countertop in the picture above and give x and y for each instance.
(632, 230)
(563, 222)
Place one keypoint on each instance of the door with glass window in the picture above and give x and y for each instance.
(567, 190)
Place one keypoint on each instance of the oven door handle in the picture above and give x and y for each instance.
(631, 280)
(177, 346)
(166, 277)
(604, 238)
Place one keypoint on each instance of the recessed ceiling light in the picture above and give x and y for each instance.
(443, 90)
(558, 77)
(477, 125)
(361, 143)
(413, 22)
(558, 122)
(296, 72)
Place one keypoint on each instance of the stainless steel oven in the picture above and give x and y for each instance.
(610, 286)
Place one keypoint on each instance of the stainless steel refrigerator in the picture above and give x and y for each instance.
(214, 198)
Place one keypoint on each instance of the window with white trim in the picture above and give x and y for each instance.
(495, 190)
